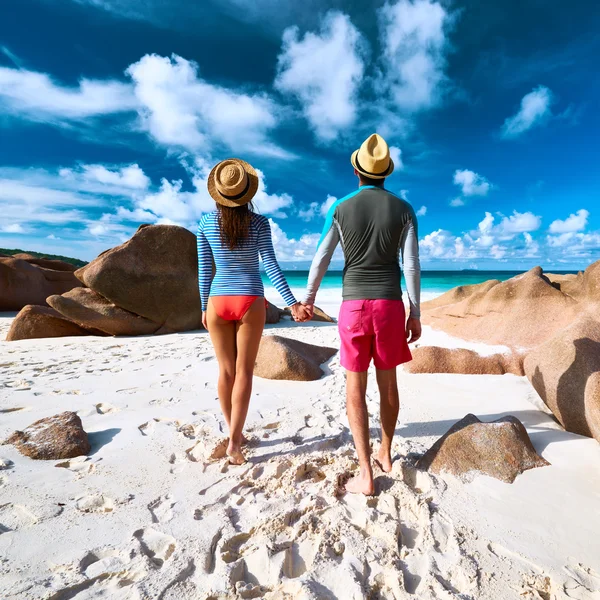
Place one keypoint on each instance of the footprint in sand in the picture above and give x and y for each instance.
(584, 585)
(80, 465)
(157, 546)
(147, 428)
(15, 516)
(95, 503)
(10, 410)
(104, 408)
(5, 464)
(19, 385)
(161, 509)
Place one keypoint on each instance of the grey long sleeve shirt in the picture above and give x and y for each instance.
(374, 228)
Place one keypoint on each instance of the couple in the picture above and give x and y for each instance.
(374, 227)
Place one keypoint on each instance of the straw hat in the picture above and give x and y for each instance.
(372, 159)
(233, 182)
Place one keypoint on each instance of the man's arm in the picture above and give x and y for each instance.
(411, 266)
(325, 249)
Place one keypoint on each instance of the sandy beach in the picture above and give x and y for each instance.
(148, 514)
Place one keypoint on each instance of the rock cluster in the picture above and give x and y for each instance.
(552, 323)
(52, 438)
(147, 285)
(521, 312)
(565, 372)
(284, 358)
(501, 449)
(434, 359)
(27, 280)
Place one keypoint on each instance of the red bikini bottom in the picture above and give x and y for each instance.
(233, 308)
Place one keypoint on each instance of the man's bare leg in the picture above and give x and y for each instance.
(389, 408)
(356, 407)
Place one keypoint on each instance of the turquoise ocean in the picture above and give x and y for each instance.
(433, 283)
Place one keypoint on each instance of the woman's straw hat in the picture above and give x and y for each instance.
(233, 182)
(372, 159)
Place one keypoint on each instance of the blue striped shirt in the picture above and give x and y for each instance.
(237, 271)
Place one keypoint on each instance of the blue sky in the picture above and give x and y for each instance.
(113, 111)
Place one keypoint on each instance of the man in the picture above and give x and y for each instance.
(373, 226)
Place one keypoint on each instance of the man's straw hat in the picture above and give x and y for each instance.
(372, 159)
(233, 182)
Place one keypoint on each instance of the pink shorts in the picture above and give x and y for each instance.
(373, 329)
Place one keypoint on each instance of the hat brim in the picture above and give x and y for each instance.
(242, 200)
(387, 173)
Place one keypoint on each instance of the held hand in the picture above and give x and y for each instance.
(310, 310)
(413, 329)
(299, 313)
(204, 320)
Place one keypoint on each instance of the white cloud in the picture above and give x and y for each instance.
(291, 250)
(457, 202)
(114, 181)
(498, 252)
(270, 204)
(37, 97)
(535, 108)
(130, 176)
(413, 38)
(519, 223)
(309, 213)
(396, 155)
(574, 222)
(422, 211)
(532, 246)
(13, 228)
(181, 109)
(471, 183)
(327, 205)
(324, 71)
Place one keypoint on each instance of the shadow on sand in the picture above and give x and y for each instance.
(98, 439)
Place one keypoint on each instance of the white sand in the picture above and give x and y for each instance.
(147, 517)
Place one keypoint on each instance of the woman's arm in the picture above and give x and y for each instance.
(267, 253)
(205, 266)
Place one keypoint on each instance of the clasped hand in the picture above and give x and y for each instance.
(302, 312)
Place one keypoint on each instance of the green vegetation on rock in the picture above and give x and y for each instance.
(73, 261)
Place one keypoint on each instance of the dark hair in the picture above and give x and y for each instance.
(369, 181)
(234, 224)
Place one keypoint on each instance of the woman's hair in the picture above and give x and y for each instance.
(234, 224)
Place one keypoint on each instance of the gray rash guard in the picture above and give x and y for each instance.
(374, 226)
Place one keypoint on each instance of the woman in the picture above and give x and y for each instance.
(233, 303)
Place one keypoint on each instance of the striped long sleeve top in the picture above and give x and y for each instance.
(237, 271)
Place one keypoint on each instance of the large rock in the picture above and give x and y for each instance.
(52, 438)
(273, 314)
(521, 312)
(434, 359)
(283, 358)
(92, 311)
(459, 293)
(43, 322)
(47, 263)
(565, 371)
(23, 283)
(154, 275)
(501, 449)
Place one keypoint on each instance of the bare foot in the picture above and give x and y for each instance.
(360, 485)
(384, 460)
(235, 454)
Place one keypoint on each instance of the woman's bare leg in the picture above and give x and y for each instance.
(249, 332)
(222, 335)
